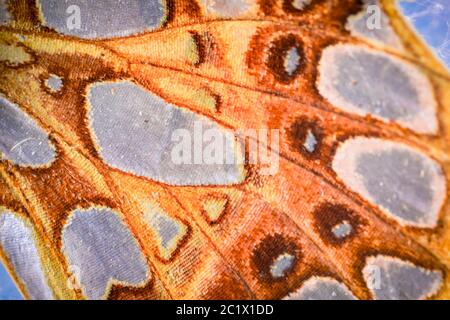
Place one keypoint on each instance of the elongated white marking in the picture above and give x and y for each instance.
(98, 244)
(94, 19)
(382, 32)
(370, 82)
(321, 288)
(17, 240)
(394, 279)
(403, 182)
(21, 140)
(135, 132)
(292, 61)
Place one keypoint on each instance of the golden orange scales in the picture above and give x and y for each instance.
(356, 203)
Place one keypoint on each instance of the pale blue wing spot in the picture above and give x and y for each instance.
(94, 19)
(17, 240)
(102, 249)
(134, 130)
(21, 139)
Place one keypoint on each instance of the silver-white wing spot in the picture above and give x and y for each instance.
(95, 19)
(373, 24)
(98, 244)
(364, 81)
(393, 279)
(140, 133)
(406, 184)
(321, 288)
(21, 139)
(17, 240)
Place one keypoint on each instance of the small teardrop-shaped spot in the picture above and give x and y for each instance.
(93, 19)
(394, 279)
(365, 81)
(407, 184)
(17, 240)
(320, 288)
(22, 141)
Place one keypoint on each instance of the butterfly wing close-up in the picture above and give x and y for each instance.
(222, 149)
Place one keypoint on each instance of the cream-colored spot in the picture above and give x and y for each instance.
(365, 81)
(214, 208)
(406, 184)
(301, 4)
(13, 55)
(390, 278)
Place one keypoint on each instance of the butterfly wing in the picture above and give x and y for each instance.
(298, 224)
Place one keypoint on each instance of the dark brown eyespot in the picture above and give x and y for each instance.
(286, 58)
(336, 224)
(306, 136)
(275, 257)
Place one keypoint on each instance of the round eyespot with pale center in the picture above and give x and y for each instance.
(390, 278)
(275, 257)
(93, 19)
(321, 288)
(364, 81)
(101, 248)
(405, 183)
(286, 58)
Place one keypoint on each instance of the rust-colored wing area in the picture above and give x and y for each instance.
(353, 197)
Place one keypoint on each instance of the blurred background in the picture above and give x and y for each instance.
(431, 18)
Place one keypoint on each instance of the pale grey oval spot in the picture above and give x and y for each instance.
(342, 230)
(17, 240)
(54, 83)
(228, 8)
(282, 265)
(404, 182)
(373, 24)
(370, 82)
(5, 17)
(311, 142)
(393, 279)
(301, 4)
(137, 132)
(21, 139)
(292, 61)
(95, 19)
(318, 288)
(98, 244)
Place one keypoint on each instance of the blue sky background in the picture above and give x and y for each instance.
(431, 18)
(8, 290)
